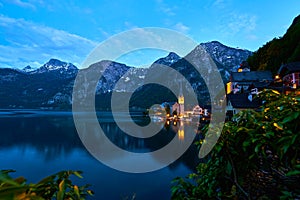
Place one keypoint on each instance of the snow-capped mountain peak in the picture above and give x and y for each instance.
(225, 55)
(56, 65)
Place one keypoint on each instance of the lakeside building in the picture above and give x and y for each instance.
(241, 90)
(288, 78)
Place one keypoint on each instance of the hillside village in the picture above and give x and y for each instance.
(242, 90)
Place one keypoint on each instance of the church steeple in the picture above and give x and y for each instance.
(180, 97)
(181, 101)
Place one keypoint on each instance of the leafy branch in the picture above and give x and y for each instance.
(57, 186)
(256, 156)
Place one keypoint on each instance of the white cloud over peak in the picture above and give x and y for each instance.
(240, 22)
(23, 42)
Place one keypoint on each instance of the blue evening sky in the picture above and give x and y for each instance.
(33, 31)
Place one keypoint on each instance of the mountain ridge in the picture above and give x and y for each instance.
(51, 85)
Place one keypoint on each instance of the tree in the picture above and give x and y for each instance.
(278, 51)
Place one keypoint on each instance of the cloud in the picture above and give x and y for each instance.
(49, 5)
(165, 8)
(103, 32)
(24, 42)
(219, 4)
(129, 25)
(181, 27)
(242, 22)
(251, 37)
(237, 24)
(22, 4)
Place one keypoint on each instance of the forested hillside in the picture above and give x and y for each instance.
(278, 51)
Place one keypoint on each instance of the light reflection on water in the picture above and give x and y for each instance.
(37, 144)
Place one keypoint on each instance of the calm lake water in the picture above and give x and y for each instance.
(37, 144)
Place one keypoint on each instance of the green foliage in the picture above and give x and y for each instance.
(58, 186)
(278, 51)
(256, 156)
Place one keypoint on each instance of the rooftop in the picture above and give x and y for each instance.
(241, 101)
(254, 76)
(289, 68)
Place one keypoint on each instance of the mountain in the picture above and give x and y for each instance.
(226, 58)
(168, 60)
(278, 51)
(51, 85)
(111, 74)
(57, 66)
(28, 68)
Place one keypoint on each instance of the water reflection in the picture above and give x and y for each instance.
(49, 136)
(181, 132)
(43, 144)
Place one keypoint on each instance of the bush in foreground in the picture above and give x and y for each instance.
(58, 186)
(256, 157)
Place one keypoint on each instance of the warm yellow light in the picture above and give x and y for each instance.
(168, 122)
(228, 87)
(181, 134)
(294, 86)
(181, 99)
(240, 70)
(277, 77)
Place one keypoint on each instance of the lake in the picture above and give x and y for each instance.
(37, 144)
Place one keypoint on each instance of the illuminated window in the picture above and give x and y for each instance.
(228, 87)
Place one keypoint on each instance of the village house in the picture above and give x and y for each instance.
(288, 77)
(242, 87)
(244, 82)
